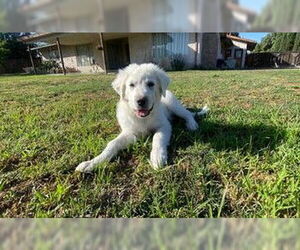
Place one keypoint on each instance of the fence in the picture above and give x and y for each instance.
(273, 60)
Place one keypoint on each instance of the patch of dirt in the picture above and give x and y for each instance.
(13, 201)
(263, 176)
(10, 164)
(238, 199)
(295, 86)
(218, 182)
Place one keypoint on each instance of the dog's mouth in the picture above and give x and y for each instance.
(143, 112)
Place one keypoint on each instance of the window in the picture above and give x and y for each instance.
(238, 53)
(84, 55)
(168, 44)
(53, 53)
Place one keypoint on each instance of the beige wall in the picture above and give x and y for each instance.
(69, 54)
(140, 47)
(70, 60)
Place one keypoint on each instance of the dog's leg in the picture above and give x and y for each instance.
(176, 107)
(112, 148)
(159, 153)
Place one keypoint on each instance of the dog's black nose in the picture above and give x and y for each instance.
(142, 102)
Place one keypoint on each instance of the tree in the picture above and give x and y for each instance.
(289, 43)
(258, 48)
(296, 47)
(266, 43)
(279, 42)
(4, 52)
(11, 48)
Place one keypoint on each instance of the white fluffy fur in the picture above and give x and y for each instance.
(132, 83)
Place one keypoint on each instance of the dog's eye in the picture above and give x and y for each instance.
(150, 84)
(131, 85)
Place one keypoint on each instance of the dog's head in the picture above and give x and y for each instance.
(141, 86)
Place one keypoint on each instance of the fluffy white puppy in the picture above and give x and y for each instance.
(145, 106)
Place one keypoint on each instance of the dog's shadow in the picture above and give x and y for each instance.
(247, 138)
(219, 136)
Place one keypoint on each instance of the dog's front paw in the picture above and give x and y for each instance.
(85, 167)
(158, 158)
(192, 125)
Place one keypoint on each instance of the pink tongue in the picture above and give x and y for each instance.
(143, 112)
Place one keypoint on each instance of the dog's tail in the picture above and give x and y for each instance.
(202, 112)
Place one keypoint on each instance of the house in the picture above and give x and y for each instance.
(235, 50)
(101, 52)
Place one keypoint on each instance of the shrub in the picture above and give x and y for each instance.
(164, 63)
(49, 67)
(177, 62)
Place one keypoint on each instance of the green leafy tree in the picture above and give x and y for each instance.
(296, 47)
(11, 47)
(279, 42)
(289, 43)
(16, 48)
(257, 48)
(4, 52)
(267, 42)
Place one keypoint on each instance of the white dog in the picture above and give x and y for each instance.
(145, 107)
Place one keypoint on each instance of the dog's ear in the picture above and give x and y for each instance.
(164, 81)
(119, 83)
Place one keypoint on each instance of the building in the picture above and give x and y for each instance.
(235, 50)
(100, 52)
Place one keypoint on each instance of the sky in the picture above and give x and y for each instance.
(255, 5)
(256, 36)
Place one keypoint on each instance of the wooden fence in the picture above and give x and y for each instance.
(273, 60)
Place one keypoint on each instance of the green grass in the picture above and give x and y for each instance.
(242, 162)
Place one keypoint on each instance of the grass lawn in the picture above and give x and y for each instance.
(242, 162)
